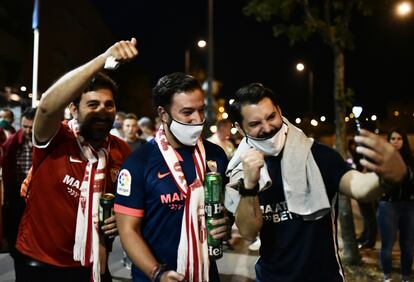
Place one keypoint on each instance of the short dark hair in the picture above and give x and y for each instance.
(99, 81)
(8, 110)
(250, 94)
(222, 123)
(29, 113)
(131, 116)
(171, 84)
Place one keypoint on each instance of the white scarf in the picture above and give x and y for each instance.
(86, 248)
(192, 255)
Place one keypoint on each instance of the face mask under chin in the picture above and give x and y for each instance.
(186, 133)
(272, 145)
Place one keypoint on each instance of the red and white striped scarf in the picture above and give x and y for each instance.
(192, 256)
(86, 248)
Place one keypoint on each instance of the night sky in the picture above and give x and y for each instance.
(378, 70)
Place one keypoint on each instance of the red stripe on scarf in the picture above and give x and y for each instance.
(89, 234)
(195, 249)
(202, 163)
(188, 214)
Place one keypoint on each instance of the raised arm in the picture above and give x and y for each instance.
(69, 86)
(382, 159)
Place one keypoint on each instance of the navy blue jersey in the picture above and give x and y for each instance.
(293, 249)
(146, 189)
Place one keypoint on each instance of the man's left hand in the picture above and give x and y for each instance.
(222, 228)
(383, 158)
(109, 228)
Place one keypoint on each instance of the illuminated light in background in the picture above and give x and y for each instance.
(356, 110)
(346, 119)
(323, 118)
(403, 9)
(202, 43)
(396, 113)
(213, 128)
(225, 115)
(30, 95)
(314, 122)
(374, 117)
(298, 120)
(23, 88)
(14, 97)
(221, 109)
(231, 101)
(300, 67)
(351, 115)
(233, 130)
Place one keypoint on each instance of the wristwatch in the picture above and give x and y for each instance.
(247, 192)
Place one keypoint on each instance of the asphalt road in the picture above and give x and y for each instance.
(236, 265)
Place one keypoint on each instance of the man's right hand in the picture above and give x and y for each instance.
(123, 51)
(252, 161)
(171, 276)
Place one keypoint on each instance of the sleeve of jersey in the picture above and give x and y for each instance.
(331, 165)
(130, 191)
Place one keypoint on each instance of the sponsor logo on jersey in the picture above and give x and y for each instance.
(71, 181)
(277, 212)
(171, 198)
(73, 185)
(124, 183)
(74, 160)
(162, 175)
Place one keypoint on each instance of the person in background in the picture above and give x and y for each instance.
(7, 114)
(285, 186)
(222, 137)
(74, 164)
(16, 164)
(147, 128)
(159, 205)
(130, 130)
(118, 123)
(396, 212)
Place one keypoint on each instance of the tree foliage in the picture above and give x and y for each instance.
(300, 19)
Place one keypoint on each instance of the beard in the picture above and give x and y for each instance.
(96, 129)
(268, 135)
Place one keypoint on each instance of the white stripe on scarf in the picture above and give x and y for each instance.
(192, 255)
(95, 168)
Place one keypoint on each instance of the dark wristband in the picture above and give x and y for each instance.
(158, 272)
(247, 192)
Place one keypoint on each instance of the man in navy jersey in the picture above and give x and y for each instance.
(159, 204)
(284, 186)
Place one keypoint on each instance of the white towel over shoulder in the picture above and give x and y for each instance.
(303, 185)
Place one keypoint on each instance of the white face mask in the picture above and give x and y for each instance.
(186, 133)
(271, 146)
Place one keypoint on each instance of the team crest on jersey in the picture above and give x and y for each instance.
(124, 183)
(114, 173)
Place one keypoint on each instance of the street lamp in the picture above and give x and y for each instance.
(300, 67)
(201, 44)
(403, 8)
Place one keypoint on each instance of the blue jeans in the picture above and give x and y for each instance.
(394, 217)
